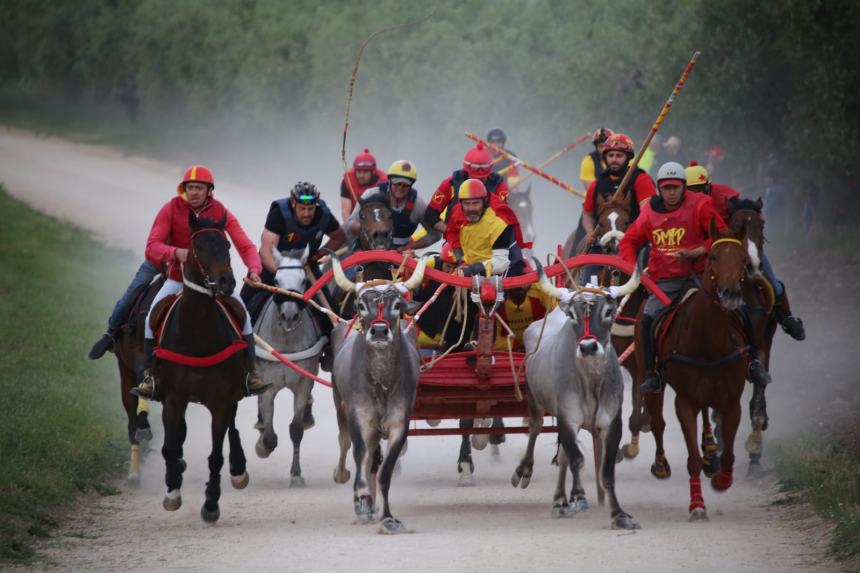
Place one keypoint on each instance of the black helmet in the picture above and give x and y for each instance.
(497, 134)
(305, 193)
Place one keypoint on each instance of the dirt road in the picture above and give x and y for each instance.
(268, 526)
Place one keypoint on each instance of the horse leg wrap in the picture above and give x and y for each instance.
(723, 480)
(697, 501)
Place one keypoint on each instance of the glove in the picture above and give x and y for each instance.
(474, 269)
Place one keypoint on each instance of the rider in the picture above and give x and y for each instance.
(431, 325)
(407, 208)
(503, 165)
(522, 306)
(676, 225)
(699, 181)
(294, 223)
(485, 233)
(477, 164)
(168, 244)
(363, 176)
(593, 164)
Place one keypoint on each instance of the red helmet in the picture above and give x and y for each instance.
(619, 142)
(478, 163)
(447, 254)
(196, 174)
(364, 160)
(601, 135)
(472, 189)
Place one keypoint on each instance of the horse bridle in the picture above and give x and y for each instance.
(375, 209)
(208, 285)
(298, 294)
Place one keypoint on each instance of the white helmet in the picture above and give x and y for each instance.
(671, 170)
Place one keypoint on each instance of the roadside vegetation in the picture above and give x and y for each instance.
(61, 427)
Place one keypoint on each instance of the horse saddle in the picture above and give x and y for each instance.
(162, 313)
(141, 299)
(667, 315)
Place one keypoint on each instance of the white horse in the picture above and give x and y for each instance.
(289, 326)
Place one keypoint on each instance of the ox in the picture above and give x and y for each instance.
(573, 374)
(375, 379)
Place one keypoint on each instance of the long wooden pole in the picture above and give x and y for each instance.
(551, 159)
(663, 112)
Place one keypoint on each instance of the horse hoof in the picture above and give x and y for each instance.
(210, 516)
(559, 511)
(433, 423)
(182, 465)
(261, 449)
(710, 466)
(391, 526)
(646, 428)
(297, 481)
(722, 481)
(143, 435)
(341, 476)
(755, 471)
(661, 470)
(240, 481)
(754, 444)
(173, 500)
(133, 479)
(630, 451)
(698, 514)
(579, 505)
(466, 480)
(480, 441)
(624, 521)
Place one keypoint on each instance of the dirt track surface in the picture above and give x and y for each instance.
(268, 526)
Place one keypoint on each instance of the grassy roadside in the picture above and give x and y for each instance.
(61, 425)
(817, 469)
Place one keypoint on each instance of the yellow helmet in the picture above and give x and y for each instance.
(403, 168)
(696, 174)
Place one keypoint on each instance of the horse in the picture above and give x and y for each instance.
(129, 357)
(198, 329)
(706, 363)
(745, 216)
(290, 327)
(575, 375)
(376, 234)
(375, 378)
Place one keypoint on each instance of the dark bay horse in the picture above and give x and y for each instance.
(198, 328)
(129, 356)
(703, 357)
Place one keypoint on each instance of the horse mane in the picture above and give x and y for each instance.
(740, 204)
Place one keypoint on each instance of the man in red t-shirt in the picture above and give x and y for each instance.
(699, 181)
(364, 175)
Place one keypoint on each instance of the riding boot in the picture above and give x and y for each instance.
(792, 325)
(756, 372)
(105, 343)
(146, 388)
(652, 381)
(253, 383)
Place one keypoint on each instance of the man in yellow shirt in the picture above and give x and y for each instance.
(592, 164)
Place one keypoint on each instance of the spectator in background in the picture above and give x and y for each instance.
(811, 192)
(672, 150)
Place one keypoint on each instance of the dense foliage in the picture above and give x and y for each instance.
(774, 77)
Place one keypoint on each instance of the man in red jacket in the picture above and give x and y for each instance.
(168, 245)
(699, 181)
(676, 225)
(477, 164)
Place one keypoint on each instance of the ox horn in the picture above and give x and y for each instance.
(417, 276)
(545, 284)
(630, 286)
(344, 283)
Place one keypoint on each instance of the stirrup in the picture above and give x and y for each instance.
(253, 379)
(146, 389)
(652, 384)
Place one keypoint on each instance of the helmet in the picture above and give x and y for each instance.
(671, 171)
(305, 193)
(478, 162)
(497, 135)
(403, 169)
(364, 160)
(601, 135)
(696, 174)
(447, 254)
(619, 142)
(196, 174)
(472, 189)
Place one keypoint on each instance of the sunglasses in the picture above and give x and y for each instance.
(307, 199)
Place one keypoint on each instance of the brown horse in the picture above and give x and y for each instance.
(703, 357)
(377, 234)
(129, 357)
(745, 218)
(198, 329)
